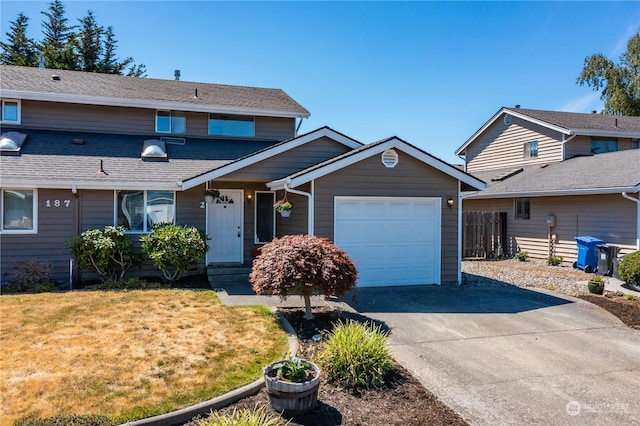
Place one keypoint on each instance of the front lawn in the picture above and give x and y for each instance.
(127, 354)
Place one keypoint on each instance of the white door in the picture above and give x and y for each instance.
(393, 240)
(224, 227)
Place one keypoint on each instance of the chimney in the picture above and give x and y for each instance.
(518, 106)
(176, 74)
(593, 111)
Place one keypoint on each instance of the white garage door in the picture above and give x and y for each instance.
(394, 241)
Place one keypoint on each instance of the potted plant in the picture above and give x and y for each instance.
(596, 284)
(210, 194)
(283, 207)
(292, 385)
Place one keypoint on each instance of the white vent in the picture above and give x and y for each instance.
(508, 119)
(154, 150)
(390, 158)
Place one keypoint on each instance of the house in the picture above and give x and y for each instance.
(558, 175)
(82, 151)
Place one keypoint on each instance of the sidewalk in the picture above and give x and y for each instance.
(613, 284)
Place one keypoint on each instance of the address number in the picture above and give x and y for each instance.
(57, 203)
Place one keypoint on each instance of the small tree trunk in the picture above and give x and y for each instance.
(307, 305)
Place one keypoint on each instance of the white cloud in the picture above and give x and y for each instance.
(586, 103)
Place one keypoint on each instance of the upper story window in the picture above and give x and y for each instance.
(138, 211)
(171, 121)
(523, 208)
(10, 111)
(600, 145)
(231, 125)
(19, 211)
(531, 149)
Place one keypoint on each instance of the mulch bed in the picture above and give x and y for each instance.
(627, 311)
(403, 401)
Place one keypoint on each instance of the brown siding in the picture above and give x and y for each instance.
(133, 121)
(502, 146)
(608, 217)
(410, 178)
(56, 226)
(290, 161)
(581, 145)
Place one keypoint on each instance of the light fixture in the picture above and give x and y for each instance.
(450, 202)
(249, 197)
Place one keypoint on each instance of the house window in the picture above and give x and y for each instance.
(10, 111)
(531, 149)
(635, 143)
(234, 125)
(171, 121)
(523, 208)
(265, 217)
(19, 211)
(600, 146)
(138, 211)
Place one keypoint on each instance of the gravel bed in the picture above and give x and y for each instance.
(534, 273)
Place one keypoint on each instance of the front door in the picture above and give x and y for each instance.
(224, 227)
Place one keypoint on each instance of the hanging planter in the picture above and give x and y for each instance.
(211, 194)
(283, 207)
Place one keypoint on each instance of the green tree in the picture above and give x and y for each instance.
(57, 45)
(89, 43)
(619, 82)
(20, 49)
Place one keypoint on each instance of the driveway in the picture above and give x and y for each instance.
(512, 356)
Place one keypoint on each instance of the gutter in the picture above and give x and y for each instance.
(564, 141)
(637, 201)
(309, 195)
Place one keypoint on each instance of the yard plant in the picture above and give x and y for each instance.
(302, 265)
(257, 416)
(629, 268)
(126, 355)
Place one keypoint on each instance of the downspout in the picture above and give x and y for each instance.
(310, 198)
(77, 226)
(564, 141)
(637, 201)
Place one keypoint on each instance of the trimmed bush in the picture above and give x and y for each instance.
(109, 251)
(629, 268)
(174, 249)
(356, 355)
(243, 417)
(302, 265)
(128, 284)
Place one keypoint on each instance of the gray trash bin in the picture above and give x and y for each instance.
(606, 256)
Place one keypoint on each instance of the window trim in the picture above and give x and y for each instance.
(171, 131)
(34, 219)
(19, 115)
(255, 216)
(516, 202)
(146, 229)
(528, 151)
(231, 118)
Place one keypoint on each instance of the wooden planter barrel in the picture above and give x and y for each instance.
(292, 398)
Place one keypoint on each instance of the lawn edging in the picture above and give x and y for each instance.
(185, 414)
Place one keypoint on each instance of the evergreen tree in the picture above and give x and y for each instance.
(89, 43)
(620, 83)
(57, 46)
(19, 50)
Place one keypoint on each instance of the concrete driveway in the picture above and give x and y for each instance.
(512, 356)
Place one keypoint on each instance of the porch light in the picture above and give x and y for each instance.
(450, 202)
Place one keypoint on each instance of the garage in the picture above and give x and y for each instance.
(393, 240)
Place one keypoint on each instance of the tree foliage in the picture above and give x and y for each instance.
(619, 83)
(302, 265)
(85, 47)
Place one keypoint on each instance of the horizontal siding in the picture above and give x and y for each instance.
(502, 146)
(581, 145)
(410, 178)
(290, 162)
(132, 121)
(608, 217)
(298, 222)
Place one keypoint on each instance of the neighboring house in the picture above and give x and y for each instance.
(558, 175)
(111, 150)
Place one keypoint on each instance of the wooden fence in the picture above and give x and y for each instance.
(484, 234)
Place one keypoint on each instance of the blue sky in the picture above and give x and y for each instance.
(430, 73)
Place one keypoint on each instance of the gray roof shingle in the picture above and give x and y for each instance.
(581, 121)
(98, 88)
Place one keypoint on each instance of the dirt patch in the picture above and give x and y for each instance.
(627, 311)
(403, 400)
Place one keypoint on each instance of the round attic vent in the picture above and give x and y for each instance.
(508, 119)
(390, 158)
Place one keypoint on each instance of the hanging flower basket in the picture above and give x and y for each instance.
(211, 194)
(283, 207)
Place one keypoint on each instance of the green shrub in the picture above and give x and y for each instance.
(554, 260)
(355, 355)
(243, 417)
(522, 256)
(174, 249)
(109, 251)
(629, 268)
(302, 265)
(30, 272)
(71, 420)
(128, 284)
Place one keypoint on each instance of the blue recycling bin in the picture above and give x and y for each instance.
(587, 253)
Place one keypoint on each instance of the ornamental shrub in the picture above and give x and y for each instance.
(302, 265)
(522, 256)
(108, 250)
(258, 416)
(629, 268)
(30, 272)
(355, 355)
(174, 249)
(554, 260)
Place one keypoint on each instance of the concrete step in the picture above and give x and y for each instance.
(219, 275)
